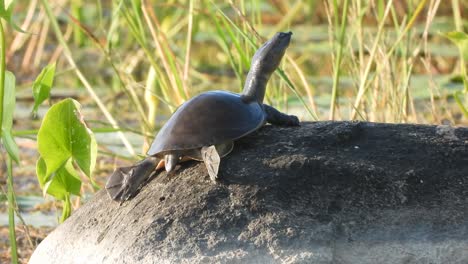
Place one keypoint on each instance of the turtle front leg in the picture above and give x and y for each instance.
(170, 161)
(275, 117)
(212, 159)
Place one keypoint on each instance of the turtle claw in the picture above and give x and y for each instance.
(212, 160)
(293, 121)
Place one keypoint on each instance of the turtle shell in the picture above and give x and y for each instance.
(207, 119)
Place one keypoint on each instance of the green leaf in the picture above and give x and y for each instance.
(64, 135)
(42, 85)
(62, 183)
(9, 101)
(461, 40)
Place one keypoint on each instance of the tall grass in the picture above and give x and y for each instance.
(373, 42)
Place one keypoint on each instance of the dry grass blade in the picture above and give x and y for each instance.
(305, 83)
(363, 82)
(151, 21)
(188, 48)
(21, 38)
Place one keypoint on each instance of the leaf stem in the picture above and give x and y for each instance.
(11, 212)
(2, 74)
(66, 210)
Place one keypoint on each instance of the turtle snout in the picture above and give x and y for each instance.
(283, 39)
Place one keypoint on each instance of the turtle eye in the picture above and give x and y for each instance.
(284, 35)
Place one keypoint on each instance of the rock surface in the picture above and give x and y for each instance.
(325, 192)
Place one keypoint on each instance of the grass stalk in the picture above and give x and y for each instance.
(21, 38)
(77, 12)
(363, 84)
(306, 85)
(224, 43)
(459, 27)
(133, 20)
(185, 75)
(166, 59)
(41, 43)
(457, 19)
(428, 58)
(151, 101)
(415, 15)
(289, 16)
(337, 64)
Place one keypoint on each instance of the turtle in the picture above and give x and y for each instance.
(205, 127)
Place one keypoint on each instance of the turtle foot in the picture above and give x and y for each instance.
(170, 161)
(125, 182)
(292, 120)
(212, 160)
(275, 117)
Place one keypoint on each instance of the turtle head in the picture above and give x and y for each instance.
(269, 55)
(265, 61)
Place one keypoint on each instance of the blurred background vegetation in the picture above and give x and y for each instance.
(131, 63)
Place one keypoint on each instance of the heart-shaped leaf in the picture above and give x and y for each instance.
(64, 135)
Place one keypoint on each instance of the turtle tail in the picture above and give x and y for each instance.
(124, 182)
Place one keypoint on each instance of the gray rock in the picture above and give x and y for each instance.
(327, 192)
